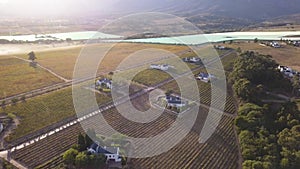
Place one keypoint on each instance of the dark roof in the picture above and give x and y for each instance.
(204, 75)
(112, 150)
(174, 100)
(105, 80)
(101, 150)
(107, 150)
(94, 146)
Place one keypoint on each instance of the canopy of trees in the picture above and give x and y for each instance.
(269, 138)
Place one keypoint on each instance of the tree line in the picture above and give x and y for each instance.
(269, 134)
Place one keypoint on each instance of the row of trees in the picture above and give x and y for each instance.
(269, 134)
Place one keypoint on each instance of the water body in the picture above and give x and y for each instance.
(189, 39)
(61, 36)
(219, 37)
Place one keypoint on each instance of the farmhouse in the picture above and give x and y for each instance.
(205, 77)
(111, 153)
(175, 101)
(275, 44)
(296, 43)
(288, 72)
(104, 83)
(192, 60)
(163, 67)
(220, 47)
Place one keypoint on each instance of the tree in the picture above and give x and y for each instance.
(239, 50)
(243, 89)
(81, 160)
(90, 136)
(97, 160)
(81, 142)
(284, 163)
(32, 56)
(296, 84)
(69, 156)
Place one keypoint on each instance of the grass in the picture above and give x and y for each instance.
(151, 77)
(287, 55)
(44, 110)
(18, 77)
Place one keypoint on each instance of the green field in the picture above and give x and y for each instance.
(18, 77)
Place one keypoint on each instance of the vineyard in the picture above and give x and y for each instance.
(44, 110)
(205, 94)
(219, 152)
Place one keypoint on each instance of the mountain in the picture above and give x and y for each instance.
(246, 9)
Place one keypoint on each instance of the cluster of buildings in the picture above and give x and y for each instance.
(111, 153)
(104, 83)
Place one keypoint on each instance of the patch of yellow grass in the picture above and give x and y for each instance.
(63, 61)
(18, 77)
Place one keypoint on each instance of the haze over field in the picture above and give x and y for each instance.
(252, 9)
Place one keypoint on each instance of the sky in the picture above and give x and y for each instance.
(42, 8)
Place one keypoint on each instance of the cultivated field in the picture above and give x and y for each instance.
(18, 77)
(50, 108)
(42, 111)
(219, 152)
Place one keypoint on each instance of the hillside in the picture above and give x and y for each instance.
(249, 9)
